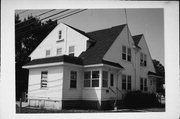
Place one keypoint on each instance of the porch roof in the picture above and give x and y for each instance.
(154, 74)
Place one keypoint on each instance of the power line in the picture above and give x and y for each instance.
(55, 19)
(42, 19)
(39, 15)
(23, 12)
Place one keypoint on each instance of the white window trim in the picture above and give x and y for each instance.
(126, 82)
(49, 53)
(57, 52)
(42, 80)
(92, 79)
(126, 53)
(73, 79)
(143, 84)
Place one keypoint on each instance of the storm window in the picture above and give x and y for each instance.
(44, 76)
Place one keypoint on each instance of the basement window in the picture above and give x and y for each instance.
(44, 75)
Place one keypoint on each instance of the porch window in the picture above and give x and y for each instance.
(95, 78)
(44, 79)
(126, 82)
(105, 79)
(73, 79)
(71, 50)
(112, 80)
(143, 84)
(87, 79)
(91, 79)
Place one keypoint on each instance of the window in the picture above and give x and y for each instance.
(71, 50)
(126, 53)
(143, 84)
(59, 51)
(91, 79)
(87, 79)
(60, 34)
(47, 53)
(126, 82)
(143, 59)
(105, 79)
(44, 79)
(112, 80)
(73, 79)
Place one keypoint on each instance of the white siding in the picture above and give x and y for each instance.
(54, 86)
(70, 38)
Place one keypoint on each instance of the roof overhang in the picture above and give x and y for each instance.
(152, 74)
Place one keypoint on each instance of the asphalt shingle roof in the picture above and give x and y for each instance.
(63, 58)
(104, 39)
(137, 38)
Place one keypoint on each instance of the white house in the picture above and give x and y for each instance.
(71, 68)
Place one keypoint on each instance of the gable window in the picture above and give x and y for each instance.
(44, 79)
(48, 53)
(60, 34)
(73, 79)
(105, 79)
(112, 80)
(126, 53)
(71, 50)
(91, 79)
(143, 59)
(59, 51)
(126, 82)
(143, 84)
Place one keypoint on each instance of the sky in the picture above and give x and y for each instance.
(149, 22)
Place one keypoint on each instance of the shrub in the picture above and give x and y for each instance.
(138, 99)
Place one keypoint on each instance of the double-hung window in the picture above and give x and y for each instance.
(73, 79)
(126, 82)
(59, 51)
(48, 53)
(71, 50)
(105, 79)
(143, 84)
(91, 79)
(126, 53)
(60, 34)
(44, 76)
(143, 59)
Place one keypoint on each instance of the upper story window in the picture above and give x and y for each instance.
(126, 53)
(71, 50)
(105, 79)
(60, 36)
(48, 52)
(91, 79)
(143, 84)
(44, 76)
(143, 59)
(73, 79)
(126, 82)
(59, 51)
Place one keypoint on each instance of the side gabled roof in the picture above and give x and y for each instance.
(104, 39)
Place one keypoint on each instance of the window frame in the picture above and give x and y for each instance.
(112, 79)
(92, 79)
(57, 51)
(71, 53)
(49, 54)
(73, 78)
(105, 79)
(44, 79)
(126, 53)
(143, 59)
(126, 82)
(143, 84)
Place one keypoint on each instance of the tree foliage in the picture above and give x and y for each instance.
(29, 33)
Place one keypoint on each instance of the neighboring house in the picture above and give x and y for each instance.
(71, 68)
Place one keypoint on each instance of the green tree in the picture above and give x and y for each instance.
(29, 33)
(161, 72)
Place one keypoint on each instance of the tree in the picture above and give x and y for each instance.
(29, 33)
(161, 72)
